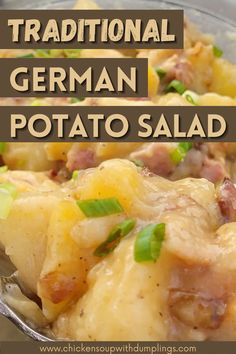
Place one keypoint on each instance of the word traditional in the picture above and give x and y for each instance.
(93, 30)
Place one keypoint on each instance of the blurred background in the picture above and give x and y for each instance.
(221, 21)
(224, 8)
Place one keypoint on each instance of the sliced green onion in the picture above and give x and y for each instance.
(42, 53)
(10, 188)
(75, 175)
(53, 53)
(138, 163)
(3, 169)
(217, 52)
(148, 243)
(180, 152)
(2, 148)
(36, 103)
(191, 96)
(8, 193)
(30, 55)
(72, 53)
(190, 99)
(39, 103)
(100, 207)
(6, 201)
(176, 86)
(76, 99)
(161, 73)
(119, 231)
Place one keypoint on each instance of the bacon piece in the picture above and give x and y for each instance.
(181, 71)
(156, 157)
(178, 68)
(190, 166)
(58, 287)
(80, 159)
(59, 173)
(196, 310)
(213, 170)
(227, 200)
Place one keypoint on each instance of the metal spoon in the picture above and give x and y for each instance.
(15, 317)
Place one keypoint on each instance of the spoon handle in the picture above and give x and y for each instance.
(21, 325)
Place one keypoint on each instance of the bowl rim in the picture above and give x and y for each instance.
(175, 3)
(202, 10)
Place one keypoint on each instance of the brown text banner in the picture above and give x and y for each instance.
(117, 123)
(103, 29)
(124, 77)
(118, 347)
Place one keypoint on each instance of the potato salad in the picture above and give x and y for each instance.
(127, 241)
